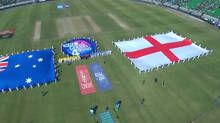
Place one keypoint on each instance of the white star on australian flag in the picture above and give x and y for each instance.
(40, 59)
(30, 56)
(17, 65)
(28, 80)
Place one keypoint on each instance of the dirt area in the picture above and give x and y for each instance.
(70, 25)
(37, 31)
(183, 15)
(94, 26)
(118, 21)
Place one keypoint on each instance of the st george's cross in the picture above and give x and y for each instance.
(153, 51)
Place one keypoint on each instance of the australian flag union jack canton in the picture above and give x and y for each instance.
(27, 69)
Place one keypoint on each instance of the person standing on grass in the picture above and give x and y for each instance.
(164, 83)
(155, 79)
(106, 108)
(142, 101)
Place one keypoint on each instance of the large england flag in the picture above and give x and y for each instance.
(153, 51)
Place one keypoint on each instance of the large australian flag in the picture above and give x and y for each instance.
(27, 69)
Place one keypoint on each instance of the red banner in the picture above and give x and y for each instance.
(84, 79)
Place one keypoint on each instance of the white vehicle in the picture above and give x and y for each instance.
(206, 19)
(41, 0)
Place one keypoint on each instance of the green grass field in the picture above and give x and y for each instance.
(191, 86)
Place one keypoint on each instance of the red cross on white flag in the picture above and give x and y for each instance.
(153, 51)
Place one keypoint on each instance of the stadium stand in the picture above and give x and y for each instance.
(16, 3)
(9, 2)
(207, 10)
(6, 4)
(213, 8)
(210, 7)
(193, 4)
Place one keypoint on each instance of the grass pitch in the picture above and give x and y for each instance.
(191, 86)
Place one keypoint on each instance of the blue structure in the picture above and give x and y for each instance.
(79, 47)
(66, 5)
(100, 77)
(106, 117)
(59, 6)
(27, 69)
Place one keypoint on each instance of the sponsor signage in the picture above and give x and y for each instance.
(7, 33)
